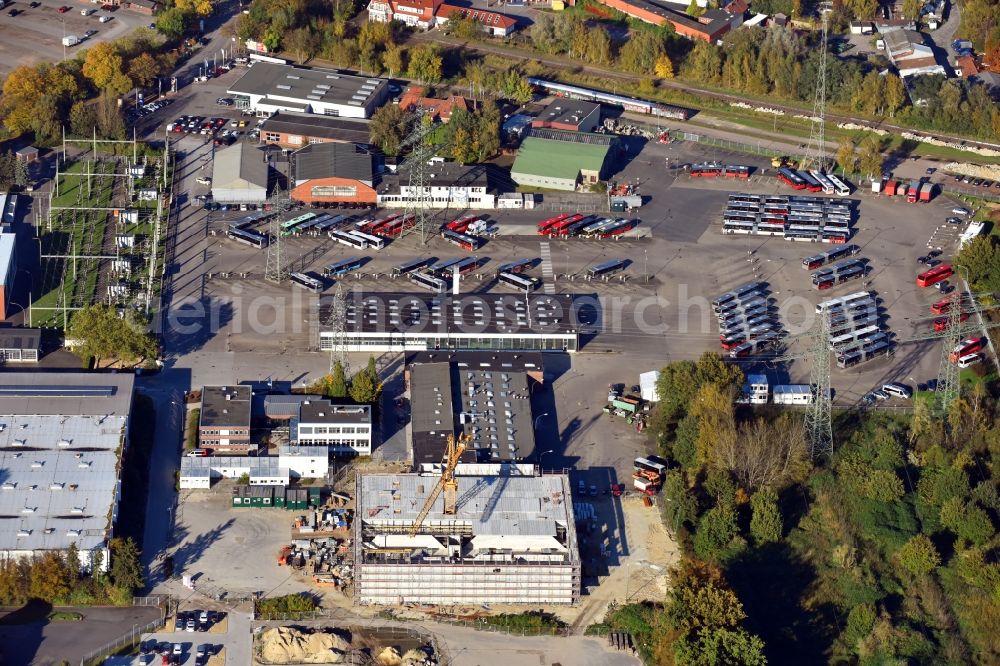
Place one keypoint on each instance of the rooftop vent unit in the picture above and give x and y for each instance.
(77, 510)
(19, 442)
(72, 533)
(9, 485)
(64, 443)
(56, 486)
(28, 509)
(38, 464)
(24, 533)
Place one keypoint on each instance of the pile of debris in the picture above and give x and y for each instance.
(288, 645)
(612, 126)
(416, 657)
(974, 170)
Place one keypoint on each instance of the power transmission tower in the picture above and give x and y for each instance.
(338, 324)
(947, 389)
(416, 166)
(815, 156)
(281, 203)
(819, 418)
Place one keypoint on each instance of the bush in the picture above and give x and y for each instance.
(191, 434)
(276, 607)
(532, 622)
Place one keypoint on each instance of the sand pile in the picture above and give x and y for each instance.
(287, 645)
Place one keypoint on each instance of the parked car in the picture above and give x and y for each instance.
(897, 390)
(960, 210)
(13, 12)
(953, 220)
(942, 286)
(105, 19)
(204, 180)
(190, 626)
(64, 9)
(934, 253)
(930, 170)
(987, 183)
(880, 394)
(35, 5)
(178, 649)
(922, 259)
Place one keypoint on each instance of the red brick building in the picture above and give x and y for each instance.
(710, 26)
(293, 130)
(439, 109)
(334, 173)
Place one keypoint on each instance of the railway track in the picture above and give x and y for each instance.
(613, 75)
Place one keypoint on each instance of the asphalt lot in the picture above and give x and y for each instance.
(35, 35)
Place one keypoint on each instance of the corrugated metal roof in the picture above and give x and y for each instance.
(558, 159)
(239, 167)
(59, 480)
(488, 505)
(339, 160)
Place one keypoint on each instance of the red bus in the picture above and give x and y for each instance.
(460, 225)
(966, 347)
(944, 304)
(791, 178)
(941, 324)
(737, 171)
(544, 225)
(934, 275)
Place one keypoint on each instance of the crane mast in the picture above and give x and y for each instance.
(446, 483)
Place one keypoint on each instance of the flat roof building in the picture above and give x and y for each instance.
(291, 463)
(572, 115)
(225, 419)
(290, 129)
(489, 403)
(267, 88)
(62, 436)
(450, 185)
(341, 429)
(20, 345)
(512, 539)
(240, 174)
(405, 322)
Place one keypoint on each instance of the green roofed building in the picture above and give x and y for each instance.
(558, 160)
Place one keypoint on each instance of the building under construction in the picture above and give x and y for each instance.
(504, 536)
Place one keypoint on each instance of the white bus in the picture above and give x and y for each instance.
(372, 241)
(840, 187)
(349, 239)
(824, 181)
(306, 281)
(845, 301)
(522, 282)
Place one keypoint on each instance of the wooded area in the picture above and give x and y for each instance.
(884, 553)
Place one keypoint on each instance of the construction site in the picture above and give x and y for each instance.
(466, 534)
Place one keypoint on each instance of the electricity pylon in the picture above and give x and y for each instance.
(338, 326)
(416, 165)
(815, 156)
(819, 418)
(274, 268)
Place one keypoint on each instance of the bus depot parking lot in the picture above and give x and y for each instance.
(656, 311)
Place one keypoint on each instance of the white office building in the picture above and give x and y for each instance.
(340, 429)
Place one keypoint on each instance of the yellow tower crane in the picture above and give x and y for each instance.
(446, 483)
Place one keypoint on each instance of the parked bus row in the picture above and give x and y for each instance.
(813, 181)
(747, 324)
(840, 272)
(576, 225)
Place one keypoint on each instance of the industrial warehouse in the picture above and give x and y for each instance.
(61, 436)
(397, 322)
(483, 534)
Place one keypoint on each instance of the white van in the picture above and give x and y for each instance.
(898, 390)
(969, 359)
(87, 12)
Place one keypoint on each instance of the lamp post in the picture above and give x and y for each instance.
(539, 418)
(542, 454)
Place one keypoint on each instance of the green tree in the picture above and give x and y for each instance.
(870, 160)
(664, 67)
(721, 646)
(110, 123)
(143, 69)
(860, 622)
(172, 22)
(911, 9)
(765, 522)
(895, 94)
(103, 65)
(363, 389)
(425, 64)
(716, 536)
(303, 43)
(49, 579)
(338, 382)
(682, 505)
(82, 119)
(99, 333)
(394, 60)
(981, 257)
(72, 564)
(126, 568)
(847, 159)
(642, 51)
(37, 99)
(967, 521)
(388, 127)
(694, 10)
(372, 371)
(598, 47)
(464, 27)
(918, 556)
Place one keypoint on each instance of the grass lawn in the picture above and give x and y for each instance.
(65, 616)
